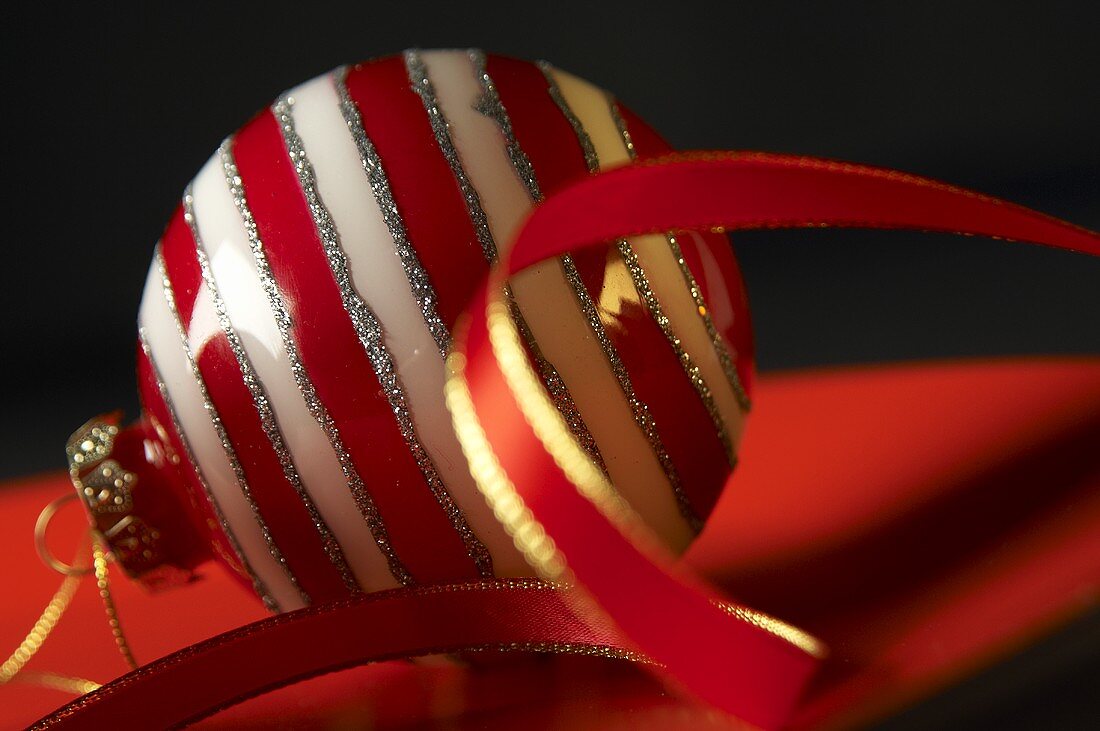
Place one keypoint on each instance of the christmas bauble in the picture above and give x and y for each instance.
(301, 303)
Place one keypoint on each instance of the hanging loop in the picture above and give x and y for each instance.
(40, 527)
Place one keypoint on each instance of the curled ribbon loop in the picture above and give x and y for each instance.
(559, 508)
(631, 601)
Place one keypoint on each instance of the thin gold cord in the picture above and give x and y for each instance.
(99, 566)
(32, 643)
(800, 638)
(12, 668)
(56, 681)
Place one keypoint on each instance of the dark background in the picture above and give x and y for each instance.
(109, 112)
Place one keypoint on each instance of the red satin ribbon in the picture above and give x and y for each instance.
(654, 607)
(728, 663)
(199, 680)
(746, 190)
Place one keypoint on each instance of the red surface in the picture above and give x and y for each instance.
(936, 517)
(421, 534)
(877, 447)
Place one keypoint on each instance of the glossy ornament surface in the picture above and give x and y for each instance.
(303, 298)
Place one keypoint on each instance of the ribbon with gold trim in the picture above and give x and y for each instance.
(627, 597)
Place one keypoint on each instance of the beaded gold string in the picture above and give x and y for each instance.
(12, 669)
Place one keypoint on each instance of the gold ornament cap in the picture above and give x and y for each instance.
(120, 477)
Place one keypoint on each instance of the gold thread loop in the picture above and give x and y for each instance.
(74, 573)
(40, 546)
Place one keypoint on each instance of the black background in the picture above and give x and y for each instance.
(109, 112)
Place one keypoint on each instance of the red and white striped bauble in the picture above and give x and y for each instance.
(303, 297)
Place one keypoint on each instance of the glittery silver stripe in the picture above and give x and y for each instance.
(641, 284)
(639, 408)
(251, 379)
(489, 105)
(591, 160)
(724, 356)
(641, 281)
(642, 417)
(257, 584)
(421, 285)
(369, 331)
(422, 85)
(645, 291)
(555, 386)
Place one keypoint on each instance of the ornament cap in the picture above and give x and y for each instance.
(119, 475)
